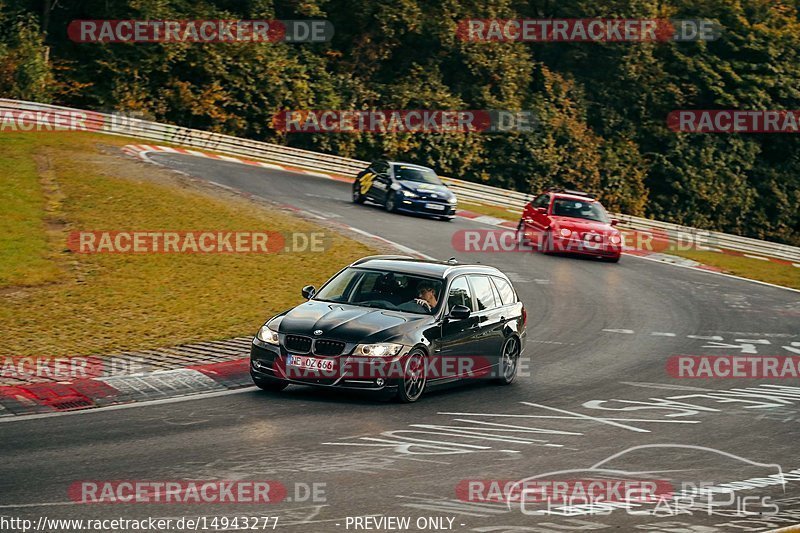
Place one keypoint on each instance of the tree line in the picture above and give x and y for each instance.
(601, 108)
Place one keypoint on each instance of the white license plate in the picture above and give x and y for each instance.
(310, 363)
(435, 207)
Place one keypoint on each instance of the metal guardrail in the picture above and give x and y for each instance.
(112, 124)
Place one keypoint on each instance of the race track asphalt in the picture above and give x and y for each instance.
(596, 385)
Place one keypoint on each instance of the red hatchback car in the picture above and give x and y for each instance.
(570, 222)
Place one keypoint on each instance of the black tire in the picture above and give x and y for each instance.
(271, 385)
(509, 362)
(521, 240)
(447, 219)
(412, 384)
(611, 259)
(358, 198)
(391, 202)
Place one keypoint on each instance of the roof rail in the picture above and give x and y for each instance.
(373, 257)
(568, 191)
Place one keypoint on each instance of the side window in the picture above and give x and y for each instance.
(459, 294)
(380, 167)
(484, 293)
(542, 201)
(506, 291)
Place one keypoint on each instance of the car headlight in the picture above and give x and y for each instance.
(384, 349)
(407, 193)
(615, 239)
(565, 232)
(267, 335)
(452, 200)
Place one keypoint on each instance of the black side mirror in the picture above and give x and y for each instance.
(614, 221)
(459, 312)
(309, 291)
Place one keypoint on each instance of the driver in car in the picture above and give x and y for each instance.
(426, 296)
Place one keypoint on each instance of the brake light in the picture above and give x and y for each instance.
(524, 316)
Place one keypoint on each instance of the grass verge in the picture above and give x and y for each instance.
(746, 267)
(60, 303)
(25, 256)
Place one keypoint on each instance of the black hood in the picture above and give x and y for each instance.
(427, 190)
(348, 323)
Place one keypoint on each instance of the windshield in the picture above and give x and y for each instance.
(419, 175)
(565, 207)
(383, 290)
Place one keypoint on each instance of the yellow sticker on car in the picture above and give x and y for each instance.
(366, 182)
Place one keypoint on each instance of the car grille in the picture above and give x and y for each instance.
(325, 347)
(298, 343)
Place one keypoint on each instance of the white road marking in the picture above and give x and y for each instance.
(492, 221)
(318, 174)
(624, 331)
(556, 417)
(661, 334)
(43, 504)
(185, 398)
(323, 215)
(396, 245)
(270, 165)
(581, 416)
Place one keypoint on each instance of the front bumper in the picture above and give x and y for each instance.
(269, 362)
(426, 207)
(577, 246)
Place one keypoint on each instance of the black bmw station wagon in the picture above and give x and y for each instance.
(398, 325)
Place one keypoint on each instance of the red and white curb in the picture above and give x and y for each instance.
(141, 151)
(50, 397)
(162, 373)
